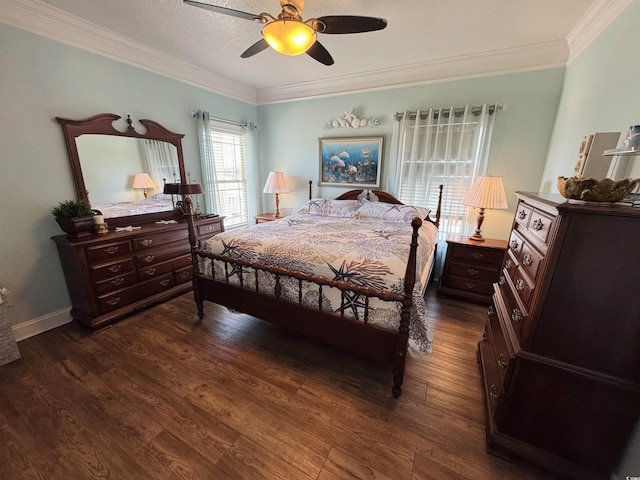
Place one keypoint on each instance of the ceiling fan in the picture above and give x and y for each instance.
(290, 35)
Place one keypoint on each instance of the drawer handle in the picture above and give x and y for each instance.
(527, 260)
(115, 268)
(485, 337)
(477, 255)
(522, 214)
(516, 315)
(149, 258)
(501, 280)
(472, 271)
(508, 264)
(520, 285)
(211, 228)
(491, 311)
(164, 282)
(470, 285)
(502, 361)
(113, 301)
(185, 234)
(514, 244)
(185, 274)
(537, 224)
(493, 391)
(117, 281)
(150, 271)
(146, 242)
(111, 250)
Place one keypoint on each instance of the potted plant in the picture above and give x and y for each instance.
(75, 217)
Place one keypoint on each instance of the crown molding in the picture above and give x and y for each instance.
(593, 22)
(52, 23)
(511, 60)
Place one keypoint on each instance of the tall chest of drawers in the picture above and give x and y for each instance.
(110, 276)
(560, 355)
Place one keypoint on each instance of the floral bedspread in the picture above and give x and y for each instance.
(365, 252)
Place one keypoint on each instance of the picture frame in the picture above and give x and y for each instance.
(351, 161)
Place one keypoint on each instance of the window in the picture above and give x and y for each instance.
(230, 175)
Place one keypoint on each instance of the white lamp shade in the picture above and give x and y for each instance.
(143, 180)
(275, 183)
(486, 192)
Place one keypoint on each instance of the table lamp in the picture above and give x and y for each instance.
(486, 192)
(276, 184)
(186, 189)
(144, 181)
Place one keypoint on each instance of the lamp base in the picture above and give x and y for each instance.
(476, 238)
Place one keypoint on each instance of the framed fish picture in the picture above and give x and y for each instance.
(351, 162)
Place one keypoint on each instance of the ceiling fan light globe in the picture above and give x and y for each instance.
(289, 37)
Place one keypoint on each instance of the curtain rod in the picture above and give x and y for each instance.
(194, 113)
(458, 111)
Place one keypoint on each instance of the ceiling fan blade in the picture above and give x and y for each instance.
(321, 54)
(335, 24)
(227, 11)
(257, 47)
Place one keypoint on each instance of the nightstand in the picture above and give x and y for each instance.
(267, 217)
(471, 268)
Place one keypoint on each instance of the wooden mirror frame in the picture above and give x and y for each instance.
(102, 124)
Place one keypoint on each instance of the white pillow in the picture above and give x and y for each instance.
(330, 208)
(391, 212)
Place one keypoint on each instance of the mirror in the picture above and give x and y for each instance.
(106, 163)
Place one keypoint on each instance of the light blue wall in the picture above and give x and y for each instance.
(289, 132)
(600, 94)
(39, 80)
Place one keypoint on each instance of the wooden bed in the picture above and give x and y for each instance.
(357, 336)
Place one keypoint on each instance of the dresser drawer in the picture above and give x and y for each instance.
(105, 252)
(184, 274)
(209, 229)
(103, 272)
(148, 258)
(515, 310)
(476, 254)
(126, 296)
(115, 283)
(471, 285)
(491, 377)
(523, 214)
(502, 355)
(152, 240)
(530, 261)
(540, 225)
(521, 285)
(477, 272)
(163, 267)
(515, 243)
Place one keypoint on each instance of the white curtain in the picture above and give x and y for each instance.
(161, 162)
(252, 168)
(445, 146)
(208, 164)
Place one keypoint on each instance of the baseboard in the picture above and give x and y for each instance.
(39, 325)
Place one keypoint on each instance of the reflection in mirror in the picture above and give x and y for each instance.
(106, 158)
(109, 165)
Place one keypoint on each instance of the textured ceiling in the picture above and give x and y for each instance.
(418, 31)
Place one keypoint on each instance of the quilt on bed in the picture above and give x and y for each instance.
(364, 251)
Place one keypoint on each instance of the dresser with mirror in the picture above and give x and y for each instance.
(144, 256)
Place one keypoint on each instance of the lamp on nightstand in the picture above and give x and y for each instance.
(276, 184)
(486, 192)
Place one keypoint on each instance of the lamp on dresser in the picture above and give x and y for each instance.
(485, 193)
(144, 181)
(187, 189)
(276, 184)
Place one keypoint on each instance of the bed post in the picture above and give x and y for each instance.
(193, 241)
(402, 339)
(310, 182)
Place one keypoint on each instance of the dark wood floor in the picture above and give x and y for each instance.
(158, 396)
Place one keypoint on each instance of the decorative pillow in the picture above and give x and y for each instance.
(330, 208)
(390, 212)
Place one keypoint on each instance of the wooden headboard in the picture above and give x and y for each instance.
(386, 198)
